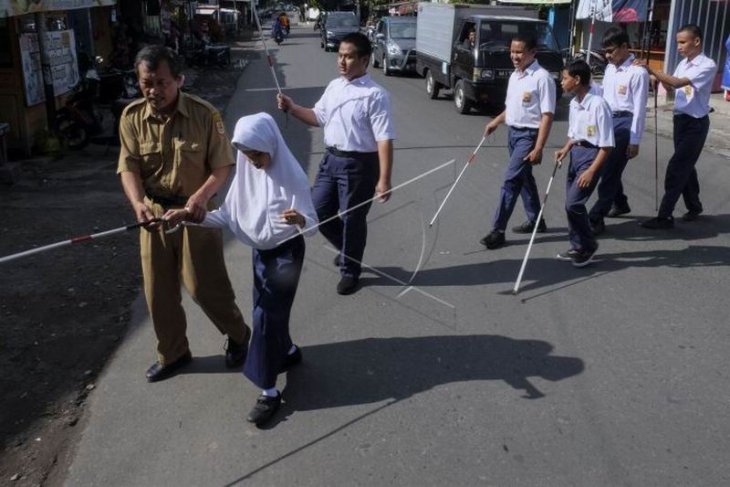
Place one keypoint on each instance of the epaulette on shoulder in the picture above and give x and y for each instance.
(134, 105)
(206, 104)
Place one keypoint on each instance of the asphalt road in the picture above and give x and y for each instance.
(434, 373)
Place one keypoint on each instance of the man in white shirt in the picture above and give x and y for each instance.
(590, 140)
(625, 89)
(692, 82)
(358, 132)
(529, 109)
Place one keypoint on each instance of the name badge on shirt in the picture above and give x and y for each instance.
(621, 89)
(526, 97)
(688, 91)
(590, 130)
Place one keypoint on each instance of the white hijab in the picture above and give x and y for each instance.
(257, 197)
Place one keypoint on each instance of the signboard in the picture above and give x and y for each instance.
(61, 48)
(11, 8)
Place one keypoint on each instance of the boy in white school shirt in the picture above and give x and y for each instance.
(590, 140)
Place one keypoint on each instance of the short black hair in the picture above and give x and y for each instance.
(155, 54)
(692, 29)
(582, 70)
(615, 36)
(527, 39)
(361, 43)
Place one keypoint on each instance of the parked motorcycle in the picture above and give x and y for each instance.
(597, 61)
(77, 121)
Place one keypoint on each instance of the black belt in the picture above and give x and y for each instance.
(344, 153)
(621, 114)
(586, 144)
(168, 201)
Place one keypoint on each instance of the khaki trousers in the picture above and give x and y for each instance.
(194, 256)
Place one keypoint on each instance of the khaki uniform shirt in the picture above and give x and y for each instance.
(174, 157)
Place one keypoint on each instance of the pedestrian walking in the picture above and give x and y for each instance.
(529, 110)
(625, 89)
(692, 82)
(358, 133)
(590, 140)
(267, 205)
(175, 154)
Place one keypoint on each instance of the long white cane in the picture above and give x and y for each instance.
(516, 289)
(463, 170)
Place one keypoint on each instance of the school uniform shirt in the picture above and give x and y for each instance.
(626, 89)
(355, 114)
(530, 93)
(257, 197)
(694, 99)
(590, 121)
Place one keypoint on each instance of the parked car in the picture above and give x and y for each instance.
(394, 46)
(335, 26)
(478, 73)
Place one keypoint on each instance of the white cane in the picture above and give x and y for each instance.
(516, 289)
(453, 186)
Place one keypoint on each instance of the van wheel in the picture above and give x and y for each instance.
(386, 69)
(374, 59)
(462, 104)
(432, 86)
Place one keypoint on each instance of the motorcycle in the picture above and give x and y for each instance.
(278, 37)
(77, 121)
(597, 62)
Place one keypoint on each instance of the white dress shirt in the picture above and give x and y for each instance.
(590, 121)
(355, 114)
(530, 93)
(694, 99)
(626, 89)
(257, 197)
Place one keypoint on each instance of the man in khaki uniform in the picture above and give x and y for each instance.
(175, 154)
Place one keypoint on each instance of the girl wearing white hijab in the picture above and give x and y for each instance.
(268, 207)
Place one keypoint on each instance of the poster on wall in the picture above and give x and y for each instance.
(61, 48)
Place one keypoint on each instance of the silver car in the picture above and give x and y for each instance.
(394, 46)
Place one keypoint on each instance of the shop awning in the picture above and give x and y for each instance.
(612, 11)
(11, 8)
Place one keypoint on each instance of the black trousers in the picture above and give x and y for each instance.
(681, 179)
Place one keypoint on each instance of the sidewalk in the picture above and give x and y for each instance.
(717, 139)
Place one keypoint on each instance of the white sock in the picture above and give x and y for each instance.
(273, 392)
(292, 350)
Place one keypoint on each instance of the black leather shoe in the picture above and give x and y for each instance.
(160, 372)
(264, 409)
(494, 240)
(691, 216)
(347, 285)
(618, 210)
(235, 353)
(528, 227)
(292, 359)
(658, 223)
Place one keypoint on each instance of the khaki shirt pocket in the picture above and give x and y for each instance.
(151, 155)
(189, 155)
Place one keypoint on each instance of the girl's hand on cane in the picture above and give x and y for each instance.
(176, 217)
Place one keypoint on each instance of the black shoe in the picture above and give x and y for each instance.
(691, 216)
(568, 255)
(264, 409)
(235, 353)
(658, 223)
(583, 257)
(597, 227)
(528, 227)
(618, 210)
(494, 240)
(292, 359)
(159, 371)
(347, 285)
